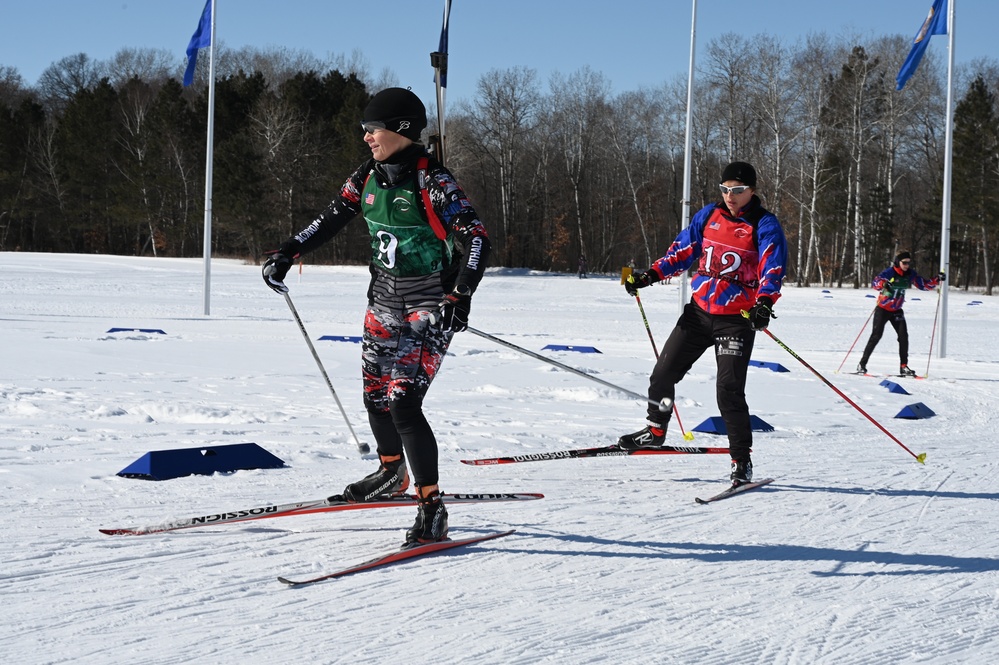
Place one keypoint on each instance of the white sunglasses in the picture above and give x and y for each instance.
(738, 189)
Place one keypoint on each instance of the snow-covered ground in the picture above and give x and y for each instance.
(855, 554)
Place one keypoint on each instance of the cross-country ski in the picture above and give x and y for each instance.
(403, 554)
(329, 505)
(735, 490)
(605, 451)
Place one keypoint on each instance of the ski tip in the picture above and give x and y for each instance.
(733, 490)
(285, 580)
(492, 536)
(921, 458)
(123, 532)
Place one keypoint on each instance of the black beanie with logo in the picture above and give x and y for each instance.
(400, 110)
(741, 171)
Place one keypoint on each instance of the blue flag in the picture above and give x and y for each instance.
(202, 39)
(935, 24)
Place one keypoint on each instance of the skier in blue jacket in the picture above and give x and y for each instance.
(892, 283)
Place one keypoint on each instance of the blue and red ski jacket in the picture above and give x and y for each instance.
(892, 283)
(739, 258)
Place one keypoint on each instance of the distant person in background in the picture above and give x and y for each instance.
(739, 249)
(892, 283)
(428, 254)
(582, 266)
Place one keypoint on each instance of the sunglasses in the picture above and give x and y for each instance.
(738, 189)
(372, 126)
(904, 262)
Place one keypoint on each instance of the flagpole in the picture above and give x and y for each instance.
(209, 159)
(441, 94)
(687, 157)
(438, 60)
(948, 159)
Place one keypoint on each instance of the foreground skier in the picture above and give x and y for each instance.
(428, 254)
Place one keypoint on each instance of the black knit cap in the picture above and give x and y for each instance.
(902, 255)
(741, 171)
(400, 110)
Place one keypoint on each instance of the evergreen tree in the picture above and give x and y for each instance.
(177, 167)
(86, 141)
(975, 182)
(17, 196)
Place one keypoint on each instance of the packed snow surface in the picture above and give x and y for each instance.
(855, 554)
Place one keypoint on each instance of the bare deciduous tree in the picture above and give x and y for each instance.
(578, 104)
(63, 79)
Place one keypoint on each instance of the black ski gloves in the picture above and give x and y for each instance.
(640, 280)
(277, 265)
(761, 312)
(942, 277)
(454, 309)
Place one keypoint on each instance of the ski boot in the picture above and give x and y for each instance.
(742, 472)
(653, 436)
(391, 479)
(431, 518)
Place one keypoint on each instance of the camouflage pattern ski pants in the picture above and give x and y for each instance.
(401, 353)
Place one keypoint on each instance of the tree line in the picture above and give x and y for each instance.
(109, 157)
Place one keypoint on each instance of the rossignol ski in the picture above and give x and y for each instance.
(410, 552)
(732, 491)
(331, 504)
(606, 451)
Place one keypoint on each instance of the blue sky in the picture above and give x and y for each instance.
(634, 43)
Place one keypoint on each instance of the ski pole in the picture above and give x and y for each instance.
(858, 337)
(663, 406)
(362, 448)
(934, 333)
(921, 457)
(687, 436)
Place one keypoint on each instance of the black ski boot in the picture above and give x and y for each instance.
(742, 472)
(431, 521)
(391, 479)
(905, 370)
(650, 437)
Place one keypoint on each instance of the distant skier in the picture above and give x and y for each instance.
(892, 283)
(582, 266)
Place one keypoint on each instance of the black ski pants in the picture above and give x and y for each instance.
(732, 337)
(897, 321)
